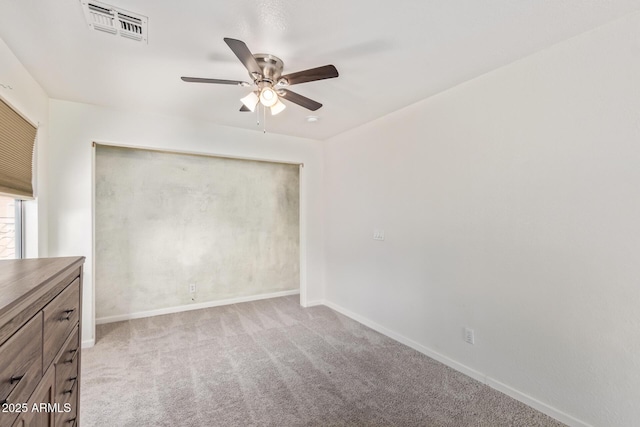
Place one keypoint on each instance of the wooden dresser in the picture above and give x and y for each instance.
(40, 324)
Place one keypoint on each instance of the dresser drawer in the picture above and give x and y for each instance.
(60, 317)
(67, 419)
(42, 396)
(69, 403)
(67, 367)
(21, 367)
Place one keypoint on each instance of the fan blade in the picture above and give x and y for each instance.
(244, 55)
(218, 81)
(313, 74)
(244, 108)
(303, 101)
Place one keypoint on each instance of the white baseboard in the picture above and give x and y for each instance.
(88, 343)
(536, 404)
(408, 342)
(315, 303)
(198, 306)
(497, 385)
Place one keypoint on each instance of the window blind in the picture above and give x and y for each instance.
(17, 139)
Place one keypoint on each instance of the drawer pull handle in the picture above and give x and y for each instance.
(75, 353)
(68, 313)
(72, 420)
(16, 378)
(74, 379)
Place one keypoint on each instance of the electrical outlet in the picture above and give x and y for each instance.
(192, 288)
(469, 336)
(378, 234)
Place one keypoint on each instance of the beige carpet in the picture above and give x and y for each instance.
(273, 363)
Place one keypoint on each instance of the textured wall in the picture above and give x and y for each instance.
(73, 126)
(166, 220)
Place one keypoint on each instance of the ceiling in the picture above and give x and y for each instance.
(389, 54)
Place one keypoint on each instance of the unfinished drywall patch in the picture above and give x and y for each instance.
(164, 221)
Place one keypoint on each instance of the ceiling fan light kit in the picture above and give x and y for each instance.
(250, 101)
(268, 96)
(278, 107)
(265, 71)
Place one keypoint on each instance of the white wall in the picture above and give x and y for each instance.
(25, 95)
(73, 128)
(511, 205)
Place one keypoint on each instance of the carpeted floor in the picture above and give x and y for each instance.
(273, 363)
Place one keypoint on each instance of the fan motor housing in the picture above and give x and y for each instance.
(271, 67)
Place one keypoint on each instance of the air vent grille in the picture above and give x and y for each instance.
(102, 19)
(112, 20)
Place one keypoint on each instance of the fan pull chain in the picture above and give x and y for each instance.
(264, 117)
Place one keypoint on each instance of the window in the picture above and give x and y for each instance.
(11, 246)
(17, 145)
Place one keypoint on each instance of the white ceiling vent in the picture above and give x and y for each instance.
(112, 20)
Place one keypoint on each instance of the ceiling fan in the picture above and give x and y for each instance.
(265, 71)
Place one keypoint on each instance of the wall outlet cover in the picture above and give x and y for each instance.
(378, 234)
(469, 336)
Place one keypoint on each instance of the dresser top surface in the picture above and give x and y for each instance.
(20, 277)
